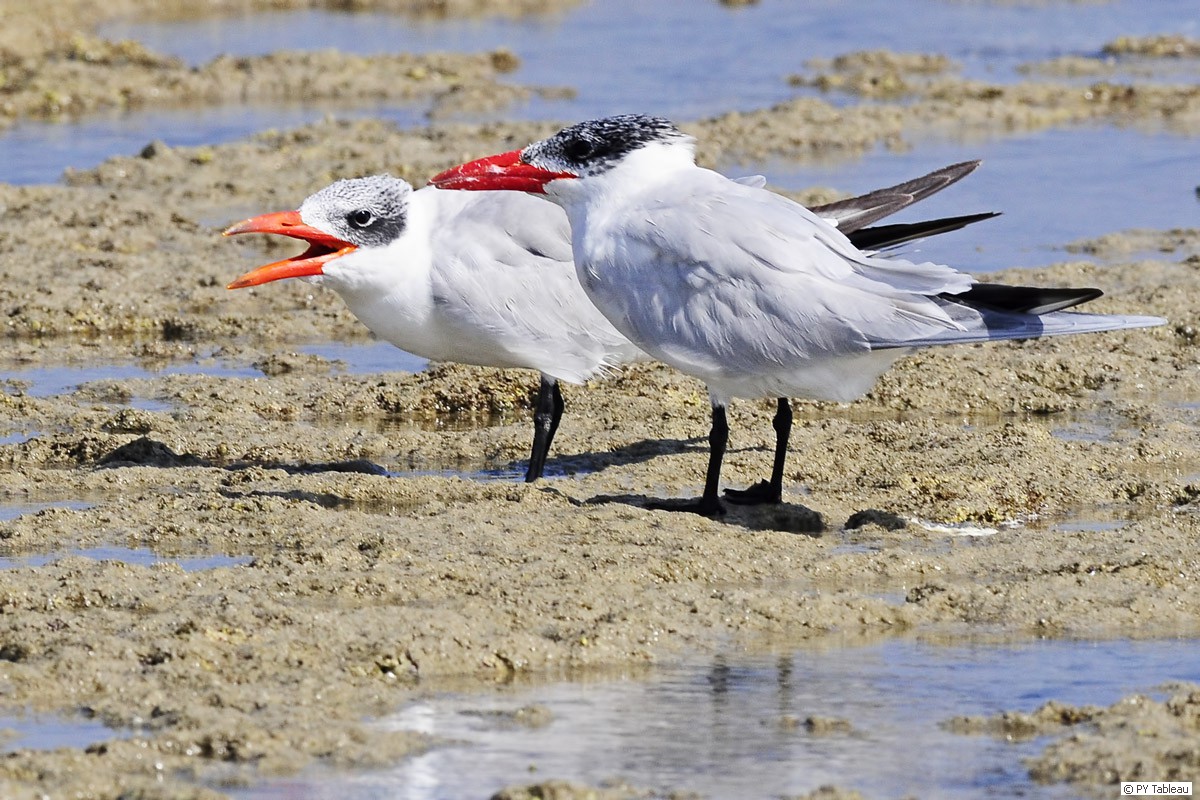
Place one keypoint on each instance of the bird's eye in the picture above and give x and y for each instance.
(360, 218)
(578, 149)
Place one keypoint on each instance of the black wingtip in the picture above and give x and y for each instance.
(1025, 299)
(880, 237)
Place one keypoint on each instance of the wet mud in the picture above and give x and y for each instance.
(375, 574)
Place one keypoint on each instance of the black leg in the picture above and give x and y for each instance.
(709, 504)
(718, 437)
(546, 416)
(770, 491)
(558, 412)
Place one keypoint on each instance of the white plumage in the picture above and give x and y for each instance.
(745, 289)
(488, 278)
(484, 279)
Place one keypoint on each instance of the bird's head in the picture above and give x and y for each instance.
(583, 150)
(342, 218)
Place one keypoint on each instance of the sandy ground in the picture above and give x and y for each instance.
(369, 584)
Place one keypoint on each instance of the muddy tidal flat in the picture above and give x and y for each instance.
(227, 550)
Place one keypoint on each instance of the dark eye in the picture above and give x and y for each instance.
(578, 149)
(360, 218)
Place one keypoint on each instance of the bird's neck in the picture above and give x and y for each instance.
(639, 172)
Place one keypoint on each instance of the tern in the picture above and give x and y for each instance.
(746, 290)
(487, 278)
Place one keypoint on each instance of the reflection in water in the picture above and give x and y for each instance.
(734, 728)
(510, 472)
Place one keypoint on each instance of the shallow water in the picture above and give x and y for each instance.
(17, 437)
(56, 379)
(41, 732)
(718, 58)
(344, 357)
(13, 510)
(39, 152)
(359, 359)
(726, 729)
(1052, 188)
(139, 556)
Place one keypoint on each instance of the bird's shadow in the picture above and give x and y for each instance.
(633, 453)
(147, 452)
(789, 517)
(782, 517)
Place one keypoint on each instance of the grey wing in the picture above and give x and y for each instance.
(736, 279)
(528, 224)
(761, 233)
(848, 299)
(986, 325)
(504, 267)
(784, 235)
